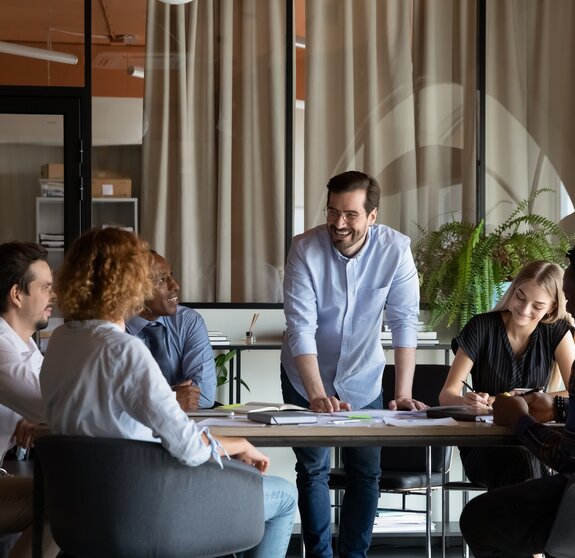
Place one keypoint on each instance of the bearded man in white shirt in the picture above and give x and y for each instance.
(25, 307)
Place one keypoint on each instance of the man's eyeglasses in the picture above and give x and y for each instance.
(350, 217)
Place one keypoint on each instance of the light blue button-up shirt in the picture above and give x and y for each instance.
(334, 308)
(189, 353)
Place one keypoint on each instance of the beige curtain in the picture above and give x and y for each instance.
(214, 144)
(530, 109)
(391, 91)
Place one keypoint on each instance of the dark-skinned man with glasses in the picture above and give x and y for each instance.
(339, 278)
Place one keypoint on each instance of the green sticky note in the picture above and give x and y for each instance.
(359, 416)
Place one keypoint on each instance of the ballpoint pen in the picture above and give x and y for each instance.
(467, 386)
(473, 391)
(529, 392)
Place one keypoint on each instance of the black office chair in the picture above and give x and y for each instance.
(561, 541)
(464, 486)
(130, 499)
(403, 470)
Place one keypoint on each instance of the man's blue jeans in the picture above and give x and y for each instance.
(363, 469)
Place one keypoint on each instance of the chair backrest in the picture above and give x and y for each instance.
(428, 381)
(124, 498)
(561, 541)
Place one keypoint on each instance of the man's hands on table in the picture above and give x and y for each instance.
(507, 410)
(406, 404)
(325, 404)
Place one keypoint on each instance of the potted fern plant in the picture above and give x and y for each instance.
(461, 267)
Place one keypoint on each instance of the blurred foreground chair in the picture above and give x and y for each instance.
(403, 469)
(117, 498)
(561, 541)
(465, 487)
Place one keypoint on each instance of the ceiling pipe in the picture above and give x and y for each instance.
(39, 53)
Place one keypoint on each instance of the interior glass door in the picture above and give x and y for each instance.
(32, 181)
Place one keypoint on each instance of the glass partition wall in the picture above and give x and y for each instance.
(222, 120)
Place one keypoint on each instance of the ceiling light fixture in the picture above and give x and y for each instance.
(136, 71)
(40, 53)
(176, 1)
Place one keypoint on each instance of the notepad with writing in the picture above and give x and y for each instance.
(259, 406)
(459, 412)
(283, 417)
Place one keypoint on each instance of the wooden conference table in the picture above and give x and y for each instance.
(461, 434)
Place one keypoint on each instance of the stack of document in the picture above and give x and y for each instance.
(399, 521)
(218, 338)
(49, 240)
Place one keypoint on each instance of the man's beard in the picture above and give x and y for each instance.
(42, 324)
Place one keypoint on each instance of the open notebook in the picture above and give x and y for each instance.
(257, 406)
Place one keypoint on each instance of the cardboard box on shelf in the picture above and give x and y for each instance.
(52, 170)
(109, 185)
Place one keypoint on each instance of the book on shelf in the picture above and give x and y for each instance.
(398, 521)
(421, 335)
(420, 326)
(218, 338)
(401, 527)
(255, 406)
(386, 338)
(51, 236)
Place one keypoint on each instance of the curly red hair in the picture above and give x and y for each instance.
(105, 276)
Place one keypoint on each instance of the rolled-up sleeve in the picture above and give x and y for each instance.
(300, 305)
(402, 306)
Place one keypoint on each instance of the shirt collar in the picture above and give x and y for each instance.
(137, 323)
(24, 347)
(362, 250)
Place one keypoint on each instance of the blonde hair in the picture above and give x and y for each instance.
(548, 276)
(105, 276)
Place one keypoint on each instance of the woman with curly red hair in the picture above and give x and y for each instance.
(98, 380)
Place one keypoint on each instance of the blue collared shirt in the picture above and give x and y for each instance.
(334, 309)
(189, 351)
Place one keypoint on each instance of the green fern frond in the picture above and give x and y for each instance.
(461, 267)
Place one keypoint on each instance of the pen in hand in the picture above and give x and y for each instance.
(471, 390)
(467, 386)
(529, 392)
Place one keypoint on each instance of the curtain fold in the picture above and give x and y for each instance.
(214, 146)
(531, 139)
(391, 92)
